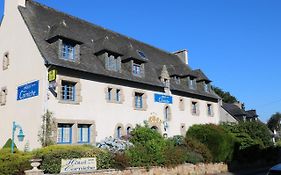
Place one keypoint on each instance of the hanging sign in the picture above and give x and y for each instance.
(163, 98)
(28, 90)
(52, 75)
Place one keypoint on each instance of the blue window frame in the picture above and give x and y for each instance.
(109, 94)
(118, 132)
(118, 95)
(64, 134)
(137, 69)
(68, 91)
(138, 100)
(194, 107)
(68, 51)
(83, 133)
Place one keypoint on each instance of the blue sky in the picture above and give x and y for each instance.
(237, 43)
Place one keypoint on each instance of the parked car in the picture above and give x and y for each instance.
(276, 170)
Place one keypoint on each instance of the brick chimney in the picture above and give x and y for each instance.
(183, 55)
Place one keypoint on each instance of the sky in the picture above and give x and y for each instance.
(237, 43)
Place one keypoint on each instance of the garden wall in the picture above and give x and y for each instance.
(186, 169)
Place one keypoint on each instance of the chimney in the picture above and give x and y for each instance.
(238, 104)
(183, 55)
(10, 6)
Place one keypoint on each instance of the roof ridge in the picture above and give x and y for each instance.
(95, 25)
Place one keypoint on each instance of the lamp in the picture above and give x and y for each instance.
(20, 135)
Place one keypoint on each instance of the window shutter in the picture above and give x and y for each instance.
(77, 52)
(119, 64)
(60, 48)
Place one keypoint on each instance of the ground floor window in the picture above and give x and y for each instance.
(64, 134)
(83, 133)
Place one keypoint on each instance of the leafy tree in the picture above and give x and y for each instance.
(226, 96)
(274, 122)
(45, 135)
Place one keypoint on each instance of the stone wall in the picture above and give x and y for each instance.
(186, 169)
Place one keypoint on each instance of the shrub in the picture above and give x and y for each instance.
(197, 148)
(120, 161)
(249, 134)
(193, 157)
(219, 141)
(8, 144)
(114, 145)
(141, 135)
(51, 156)
(14, 164)
(174, 154)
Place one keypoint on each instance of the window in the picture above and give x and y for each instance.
(3, 96)
(166, 83)
(141, 54)
(68, 91)
(83, 133)
(177, 79)
(192, 83)
(167, 113)
(209, 110)
(206, 87)
(137, 69)
(113, 64)
(109, 94)
(119, 132)
(118, 95)
(64, 134)
(6, 61)
(194, 107)
(138, 100)
(129, 129)
(68, 51)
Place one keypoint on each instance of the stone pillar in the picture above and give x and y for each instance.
(35, 163)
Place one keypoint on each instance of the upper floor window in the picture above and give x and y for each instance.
(192, 83)
(3, 96)
(138, 100)
(68, 51)
(6, 61)
(112, 63)
(177, 79)
(166, 83)
(209, 110)
(68, 91)
(206, 87)
(114, 95)
(109, 94)
(64, 134)
(118, 95)
(194, 108)
(83, 133)
(136, 69)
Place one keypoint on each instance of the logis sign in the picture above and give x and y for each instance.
(28, 90)
(78, 165)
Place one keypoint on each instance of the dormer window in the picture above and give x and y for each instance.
(192, 83)
(112, 63)
(166, 83)
(177, 79)
(69, 51)
(142, 55)
(206, 87)
(137, 69)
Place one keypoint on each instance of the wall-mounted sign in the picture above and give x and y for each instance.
(163, 98)
(52, 75)
(28, 90)
(78, 165)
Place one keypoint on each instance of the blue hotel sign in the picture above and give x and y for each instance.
(163, 98)
(28, 90)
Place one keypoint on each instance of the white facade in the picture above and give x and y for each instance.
(27, 65)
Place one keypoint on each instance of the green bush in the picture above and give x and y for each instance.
(219, 141)
(194, 158)
(14, 164)
(249, 134)
(8, 144)
(174, 153)
(197, 148)
(51, 156)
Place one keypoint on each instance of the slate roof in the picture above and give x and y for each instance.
(233, 109)
(45, 23)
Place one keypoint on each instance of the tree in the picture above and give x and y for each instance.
(45, 135)
(226, 96)
(274, 122)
